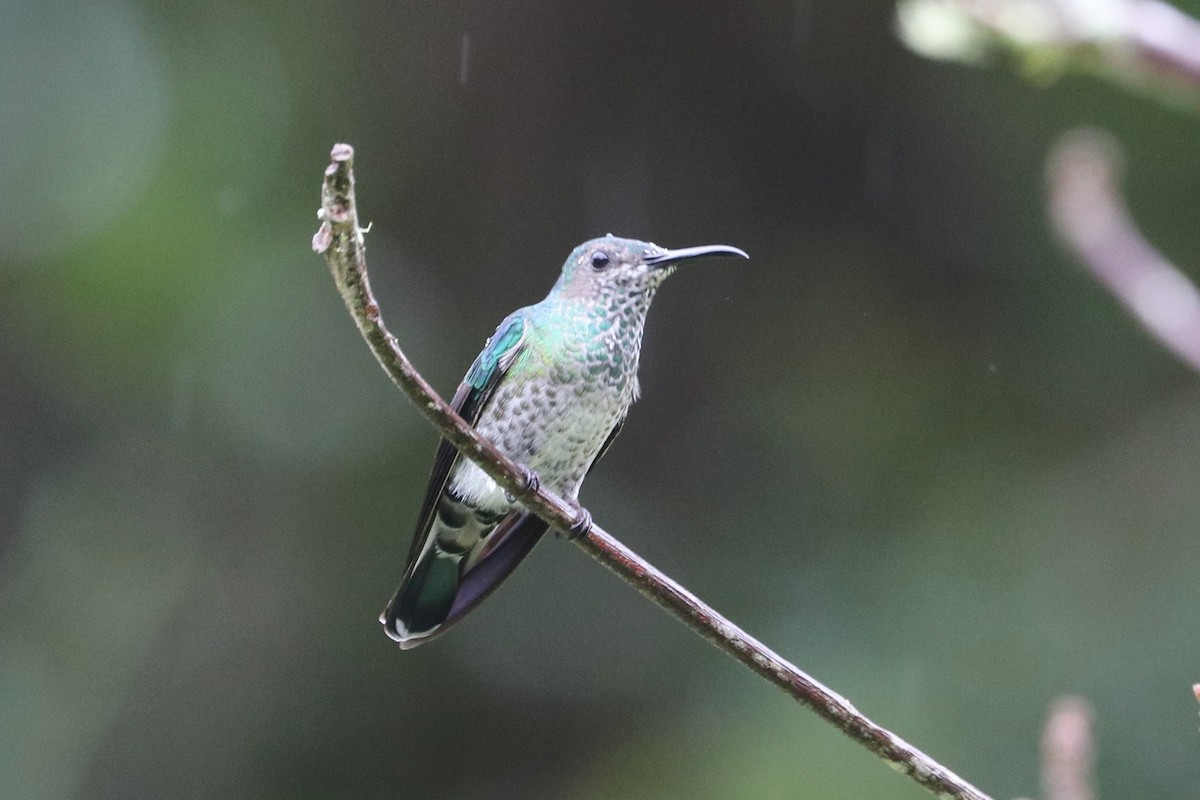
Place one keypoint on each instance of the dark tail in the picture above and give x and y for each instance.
(441, 588)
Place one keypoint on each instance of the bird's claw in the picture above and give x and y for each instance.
(582, 525)
(531, 479)
(583, 518)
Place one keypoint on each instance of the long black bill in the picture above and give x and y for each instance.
(705, 251)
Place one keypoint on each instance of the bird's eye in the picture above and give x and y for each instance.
(599, 261)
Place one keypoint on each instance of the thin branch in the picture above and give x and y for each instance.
(1068, 754)
(340, 239)
(1094, 222)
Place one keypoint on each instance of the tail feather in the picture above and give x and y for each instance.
(481, 580)
(440, 587)
(424, 599)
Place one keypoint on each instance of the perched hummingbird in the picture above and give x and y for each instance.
(551, 390)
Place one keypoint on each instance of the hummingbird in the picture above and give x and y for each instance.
(550, 389)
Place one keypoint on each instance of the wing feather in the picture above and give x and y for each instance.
(517, 533)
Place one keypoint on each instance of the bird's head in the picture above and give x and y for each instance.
(611, 267)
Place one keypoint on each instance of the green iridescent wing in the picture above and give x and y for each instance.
(426, 591)
(469, 401)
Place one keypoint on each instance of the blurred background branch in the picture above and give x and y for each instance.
(1068, 754)
(1089, 214)
(340, 239)
(1147, 44)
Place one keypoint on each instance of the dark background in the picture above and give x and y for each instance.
(910, 444)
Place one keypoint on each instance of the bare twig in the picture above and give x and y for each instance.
(1092, 219)
(340, 239)
(1068, 755)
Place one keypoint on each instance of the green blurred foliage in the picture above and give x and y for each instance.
(910, 444)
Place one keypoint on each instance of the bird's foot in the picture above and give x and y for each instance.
(582, 525)
(531, 480)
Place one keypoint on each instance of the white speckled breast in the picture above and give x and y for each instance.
(560, 400)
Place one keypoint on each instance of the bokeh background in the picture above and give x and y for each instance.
(910, 444)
